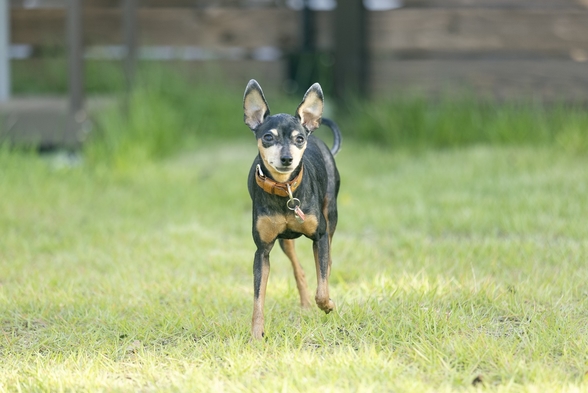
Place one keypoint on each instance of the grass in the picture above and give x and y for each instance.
(172, 109)
(168, 113)
(48, 75)
(459, 259)
(461, 120)
(450, 266)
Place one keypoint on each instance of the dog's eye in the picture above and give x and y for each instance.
(299, 139)
(268, 137)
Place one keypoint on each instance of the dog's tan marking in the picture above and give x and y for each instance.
(308, 227)
(269, 227)
(297, 154)
(269, 154)
(270, 157)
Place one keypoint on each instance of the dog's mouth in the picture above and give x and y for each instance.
(284, 169)
(280, 173)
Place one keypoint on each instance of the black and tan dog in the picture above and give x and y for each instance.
(293, 184)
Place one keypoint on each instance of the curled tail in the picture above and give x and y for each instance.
(336, 135)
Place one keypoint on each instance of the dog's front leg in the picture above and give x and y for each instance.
(261, 268)
(322, 256)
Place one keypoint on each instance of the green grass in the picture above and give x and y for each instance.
(174, 109)
(168, 112)
(48, 75)
(462, 120)
(133, 271)
(448, 265)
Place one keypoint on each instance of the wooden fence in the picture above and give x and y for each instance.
(501, 48)
(497, 47)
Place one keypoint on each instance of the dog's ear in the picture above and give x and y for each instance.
(310, 109)
(254, 105)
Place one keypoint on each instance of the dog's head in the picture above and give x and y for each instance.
(281, 138)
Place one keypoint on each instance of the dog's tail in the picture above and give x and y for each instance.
(336, 135)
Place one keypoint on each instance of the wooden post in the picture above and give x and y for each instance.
(308, 30)
(4, 48)
(350, 50)
(130, 40)
(75, 66)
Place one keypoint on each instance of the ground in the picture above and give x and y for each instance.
(451, 268)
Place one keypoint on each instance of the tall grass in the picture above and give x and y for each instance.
(162, 115)
(168, 111)
(48, 75)
(417, 122)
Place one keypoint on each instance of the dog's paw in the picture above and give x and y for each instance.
(257, 332)
(305, 303)
(327, 306)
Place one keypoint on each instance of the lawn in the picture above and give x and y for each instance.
(453, 270)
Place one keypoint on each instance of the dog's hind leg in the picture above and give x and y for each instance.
(322, 257)
(288, 248)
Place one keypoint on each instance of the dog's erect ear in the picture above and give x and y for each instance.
(310, 109)
(254, 105)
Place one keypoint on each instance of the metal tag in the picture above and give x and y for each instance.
(300, 217)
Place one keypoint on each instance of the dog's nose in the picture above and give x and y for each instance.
(286, 160)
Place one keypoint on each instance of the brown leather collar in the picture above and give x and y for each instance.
(273, 187)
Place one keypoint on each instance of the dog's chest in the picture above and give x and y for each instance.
(271, 226)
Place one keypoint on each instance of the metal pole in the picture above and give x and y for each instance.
(4, 48)
(75, 66)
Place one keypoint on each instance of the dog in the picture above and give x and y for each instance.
(293, 184)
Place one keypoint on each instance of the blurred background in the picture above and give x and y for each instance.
(65, 64)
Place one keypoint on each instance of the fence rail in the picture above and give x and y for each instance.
(505, 48)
